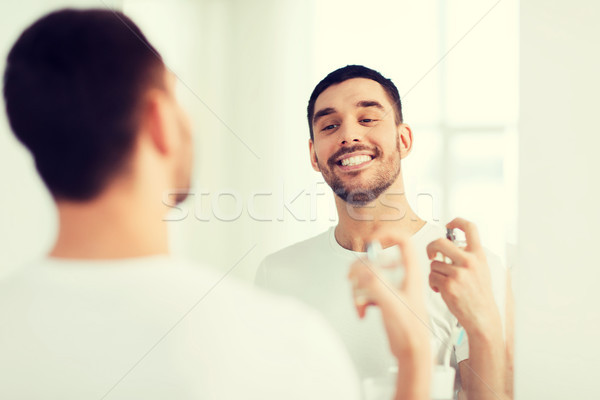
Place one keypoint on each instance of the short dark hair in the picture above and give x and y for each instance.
(73, 87)
(349, 72)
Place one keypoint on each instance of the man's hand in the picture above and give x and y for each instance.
(465, 285)
(404, 316)
(403, 308)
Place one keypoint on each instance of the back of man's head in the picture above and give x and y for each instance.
(73, 87)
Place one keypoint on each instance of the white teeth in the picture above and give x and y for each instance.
(355, 160)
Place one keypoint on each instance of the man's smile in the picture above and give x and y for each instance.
(353, 158)
(354, 161)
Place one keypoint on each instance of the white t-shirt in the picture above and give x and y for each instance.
(156, 328)
(316, 272)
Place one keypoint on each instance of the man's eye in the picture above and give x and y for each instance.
(330, 127)
(367, 120)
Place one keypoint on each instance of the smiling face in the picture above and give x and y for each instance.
(357, 145)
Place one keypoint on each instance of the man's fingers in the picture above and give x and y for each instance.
(363, 280)
(437, 281)
(448, 249)
(443, 269)
(361, 273)
(470, 230)
(366, 285)
(361, 309)
(407, 251)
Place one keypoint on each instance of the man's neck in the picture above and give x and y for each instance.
(389, 212)
(110, 227)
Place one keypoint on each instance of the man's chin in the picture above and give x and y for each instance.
(357, 197)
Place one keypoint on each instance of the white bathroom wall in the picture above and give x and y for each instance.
(556, 282)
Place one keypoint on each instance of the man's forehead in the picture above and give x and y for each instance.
(349, 92)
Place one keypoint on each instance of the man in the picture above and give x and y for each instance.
(357, 141)
(109, 314)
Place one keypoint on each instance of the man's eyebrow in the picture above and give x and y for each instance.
(323, 112)
(370, 103)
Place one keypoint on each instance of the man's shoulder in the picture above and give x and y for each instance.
(428, 233)
(314, 246)
(290, 270)
(165, 283)
(226, 323)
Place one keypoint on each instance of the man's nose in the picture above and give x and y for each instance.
(349, 135)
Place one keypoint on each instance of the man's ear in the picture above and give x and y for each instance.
(155, 120)
(313, 155)
(406, 139)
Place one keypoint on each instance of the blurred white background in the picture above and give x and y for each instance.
(246, 70)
